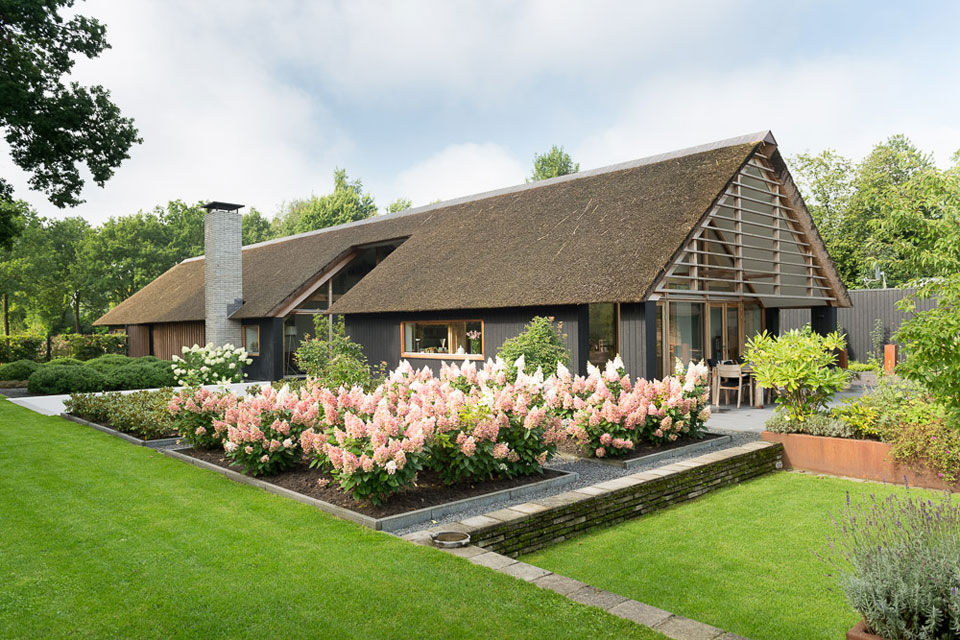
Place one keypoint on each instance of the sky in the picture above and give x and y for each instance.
(259, 102)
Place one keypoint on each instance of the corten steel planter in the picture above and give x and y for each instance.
(859, 632)
(865, 459)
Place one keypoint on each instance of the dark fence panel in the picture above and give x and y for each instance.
(874, 311)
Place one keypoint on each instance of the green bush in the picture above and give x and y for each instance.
(107, 362)
(335, 360)
(931, 340)
(24, 347)
(816, 424)
(53, 379)
(140, 375)
(542, 345)
(801, 366)
(88, 346)
(142, 413)
(859, 367)
(18, 370)
(64, 362)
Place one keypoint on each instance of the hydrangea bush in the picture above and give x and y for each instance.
(198, 413)
(263, 430)
(609, 415)
(210, 365)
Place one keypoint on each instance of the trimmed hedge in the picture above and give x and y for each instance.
(110, 372)
(19, 370)
(51, 379)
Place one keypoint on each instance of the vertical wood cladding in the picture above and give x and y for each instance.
(170, 337)
(138, 340)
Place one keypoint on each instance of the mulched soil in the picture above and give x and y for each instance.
(570, 448)
(428, 491)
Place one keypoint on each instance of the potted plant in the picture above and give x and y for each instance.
(898, 563)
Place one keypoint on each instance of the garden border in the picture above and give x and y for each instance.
(633, 463)
(159, 443)
(543, 522)
(388, 523)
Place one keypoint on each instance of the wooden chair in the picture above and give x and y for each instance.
(731, 378)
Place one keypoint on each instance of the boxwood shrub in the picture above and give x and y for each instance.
(53, 378)
(141, 413)
(65, 362)
(140, 375)
(19, 370)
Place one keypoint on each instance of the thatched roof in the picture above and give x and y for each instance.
(596, 236)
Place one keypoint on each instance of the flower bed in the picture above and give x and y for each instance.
(142, 414)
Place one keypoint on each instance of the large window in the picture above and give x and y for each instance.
(447, 339)
(604, 326)
(685, 332)
(251, 339)
(716, 331)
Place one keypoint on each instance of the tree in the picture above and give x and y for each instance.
(183, 225)
(255, 228)
(54, 128)
(553, 163)
(132, 251)
(14, 260)
(398, 205)
(347, 203)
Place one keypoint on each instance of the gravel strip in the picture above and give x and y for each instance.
(590, 473)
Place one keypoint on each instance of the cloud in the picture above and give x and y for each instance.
(217, 121)
(459, 170)
(831, 102)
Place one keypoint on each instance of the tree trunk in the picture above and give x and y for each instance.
(76, 313)
(6, 317)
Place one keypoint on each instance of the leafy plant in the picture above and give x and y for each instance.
(860, 367)
(931, 340)
(198, 415)
(52, 379)
(142, 413)
(210, 365)
(88, 346)
(816, 424)
(333, 360)
(18, 370)
(898, 561)
(801, 366)
(542, 344)
(22, 347)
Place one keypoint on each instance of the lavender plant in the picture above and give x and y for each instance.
(898, 560)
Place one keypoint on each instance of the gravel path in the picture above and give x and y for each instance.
(590, 473)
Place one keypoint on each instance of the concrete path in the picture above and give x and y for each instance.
(729, 418)
(53, 405)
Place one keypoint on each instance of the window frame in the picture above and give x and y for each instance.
(443, 356)
(243, 338)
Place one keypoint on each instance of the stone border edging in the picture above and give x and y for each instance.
(159, 443)
(633, 463)
(531, 526)
(388, 523)
(669, 624)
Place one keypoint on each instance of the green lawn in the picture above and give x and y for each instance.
(741, 558)
(100, 538)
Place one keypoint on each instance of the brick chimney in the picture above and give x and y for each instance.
(222, 273)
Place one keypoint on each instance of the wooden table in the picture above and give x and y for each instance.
(746, 369)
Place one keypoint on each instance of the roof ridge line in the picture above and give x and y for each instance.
(756, 137)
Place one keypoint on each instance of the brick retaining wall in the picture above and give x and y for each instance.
(534, 525)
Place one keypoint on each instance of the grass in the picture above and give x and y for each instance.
(741, 559)
(99, 538)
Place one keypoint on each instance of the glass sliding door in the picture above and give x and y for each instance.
(685, 333)
(732, 342)
(604, 325)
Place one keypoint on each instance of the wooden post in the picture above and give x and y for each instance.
(889, 357)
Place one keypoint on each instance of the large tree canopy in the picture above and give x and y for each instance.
(347, 203)
(55, 127)
(894, 212)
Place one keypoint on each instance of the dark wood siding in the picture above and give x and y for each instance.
(633, 337)
(380, 333)
(138, 340)
(170, 337)
(869, 306)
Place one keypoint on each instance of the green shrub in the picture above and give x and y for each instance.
(859, 367)
(142, 413)
(110, 361)
(931, 340)
(88, 346)
(542, 345)
(140, 375)
(899, 564)
(815, 424)
(801, 366)
(18, 370)
(23, 347)
(53, 379)
(64, 362)
(334, 360)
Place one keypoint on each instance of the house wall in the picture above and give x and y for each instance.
(168, 338)
(268, 365)
(138, 340)
(380, 333)
(859, 321)
(638, 339)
